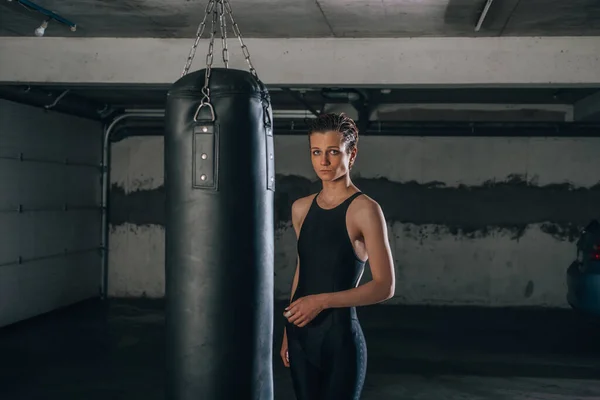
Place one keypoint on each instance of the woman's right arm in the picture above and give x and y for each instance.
(296, 217)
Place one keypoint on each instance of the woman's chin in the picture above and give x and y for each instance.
(327, 176)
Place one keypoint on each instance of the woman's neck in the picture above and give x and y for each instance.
(339, 189)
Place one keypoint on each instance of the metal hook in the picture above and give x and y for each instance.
(212, 111)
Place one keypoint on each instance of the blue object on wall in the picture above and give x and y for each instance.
(48, 13)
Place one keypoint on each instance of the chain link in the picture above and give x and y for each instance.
(217, 8)
(209, 59)
(236, 30)
(223, 33)
(199, 32)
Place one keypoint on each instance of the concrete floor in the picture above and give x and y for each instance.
(115, 350)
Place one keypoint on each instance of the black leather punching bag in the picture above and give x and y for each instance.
(219, 182)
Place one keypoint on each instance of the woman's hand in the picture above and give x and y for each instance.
(305, 309)
(285, 356)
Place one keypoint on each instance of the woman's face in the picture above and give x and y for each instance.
(329, 155)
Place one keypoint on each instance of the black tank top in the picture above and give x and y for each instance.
(328, 262)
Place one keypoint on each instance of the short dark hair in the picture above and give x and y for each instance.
(341, 123)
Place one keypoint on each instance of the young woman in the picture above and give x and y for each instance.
(338, 229)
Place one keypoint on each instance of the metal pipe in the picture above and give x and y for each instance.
(65, 207)
(48, 13)
(300, 98)
(483, 15)
(143, 110)
(105, 188)
(64, 253)
(459, 129)
(66, 162)
(42, 97)
(55, 102)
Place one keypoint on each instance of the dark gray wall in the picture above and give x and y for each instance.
(49, 210)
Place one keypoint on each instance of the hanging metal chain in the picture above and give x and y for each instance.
(223, 33)
(219, 7)
(236, 30)
(209, 60)
(209, 55)
(199, 32)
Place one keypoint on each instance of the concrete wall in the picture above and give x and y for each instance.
(483, 221)
(49, 257)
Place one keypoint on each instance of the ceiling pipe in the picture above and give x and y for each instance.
(144, 110)
(300, 99)
(64, 102)
(483, 15)
(49, 14)
(459, 129)
(298, 124)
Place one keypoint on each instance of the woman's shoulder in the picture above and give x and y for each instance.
(365, 204)
(300, 208)
(303, 203)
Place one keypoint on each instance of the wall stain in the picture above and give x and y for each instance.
(529, 289)
(562, 232)
(473, 212)
(140, 207)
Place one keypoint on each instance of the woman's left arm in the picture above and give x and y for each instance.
(371, 222)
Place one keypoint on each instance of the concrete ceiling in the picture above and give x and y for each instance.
(310, 18)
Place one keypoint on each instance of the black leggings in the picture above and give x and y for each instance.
(328, 365)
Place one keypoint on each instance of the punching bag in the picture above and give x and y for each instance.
(219, 182)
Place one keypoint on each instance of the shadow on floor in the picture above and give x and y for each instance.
(115, 349)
